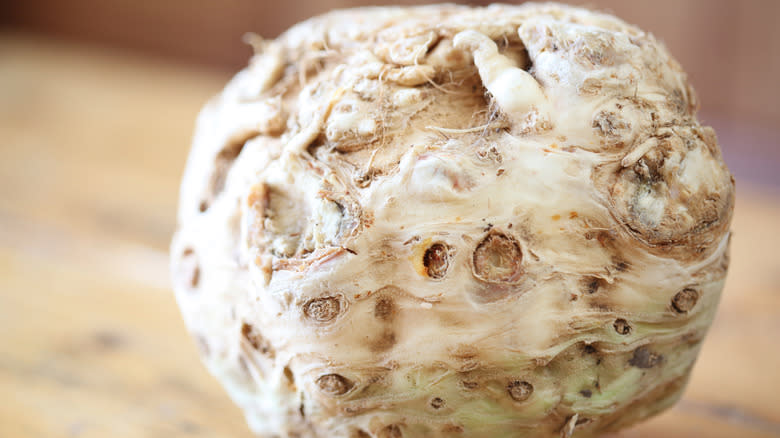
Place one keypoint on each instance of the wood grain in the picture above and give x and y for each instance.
(92, 145)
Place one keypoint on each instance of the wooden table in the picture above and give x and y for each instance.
(92, 145)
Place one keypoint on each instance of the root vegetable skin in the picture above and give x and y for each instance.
(451, 221)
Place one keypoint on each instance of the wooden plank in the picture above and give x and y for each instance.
(93, 344)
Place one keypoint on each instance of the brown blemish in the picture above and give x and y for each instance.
(360, 433)
(246, 332)
(685, 300)
(594, 284)
(436, 260)
(604, 237)
(437, 403)
(384, 342)
(519, 390)
(573, 215)
(195, 277)
(322, 309)
(355, 409)
(644, 358)
(621, 326)
(692, 338)
(497, 259)
(452, 429)
(188, 269)
(490, 154)
(288, 374)
(587, 393)
(469, 384)
(556, 217)
(391, 431)
(384, 309)
(334, 384)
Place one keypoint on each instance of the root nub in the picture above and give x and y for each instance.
(322, 309)
(498, 259)
(520, 390)
(685, 300)
(436, 260)
(622, 326)
(334, 384)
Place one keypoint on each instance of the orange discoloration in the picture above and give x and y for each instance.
(418, 254)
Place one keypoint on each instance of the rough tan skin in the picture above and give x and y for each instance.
(444, 221)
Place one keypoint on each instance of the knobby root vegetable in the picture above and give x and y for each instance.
(445, 221)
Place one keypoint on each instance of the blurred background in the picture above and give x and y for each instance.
(730, 48)
(97, 104)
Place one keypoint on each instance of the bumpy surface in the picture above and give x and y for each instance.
(445, 221)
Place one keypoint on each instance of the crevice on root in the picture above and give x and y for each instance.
(256, 340)
(515, 90)
(316, 146)
(511, 46)
(223, 162)
(391, 431)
